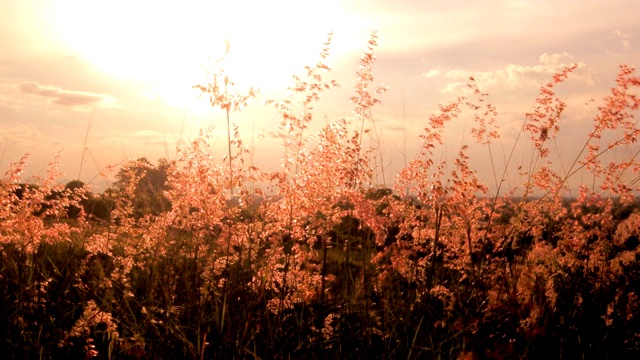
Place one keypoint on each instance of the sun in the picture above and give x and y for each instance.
(163, 44)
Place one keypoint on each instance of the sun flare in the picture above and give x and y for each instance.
(165, 44)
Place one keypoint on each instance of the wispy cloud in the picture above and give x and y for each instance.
(63, 97)
(431, 73)
(8, 98)
(515, 76)
(621, 38)
(20, 134)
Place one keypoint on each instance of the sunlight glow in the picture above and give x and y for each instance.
(164, 44)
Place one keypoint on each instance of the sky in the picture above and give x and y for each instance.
(100, 81)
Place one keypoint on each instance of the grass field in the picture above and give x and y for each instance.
(197, 258)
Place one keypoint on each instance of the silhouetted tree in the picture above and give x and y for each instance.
(151, 182)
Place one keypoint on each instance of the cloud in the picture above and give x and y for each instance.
(20, 134)
(431, 73)
(514, 76)
(8, 98)
(454, 87)
(140, 137)
(63, 97)
(621, 38)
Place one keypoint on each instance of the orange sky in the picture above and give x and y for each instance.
(125, 68)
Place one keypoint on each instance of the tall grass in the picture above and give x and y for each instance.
(332, 264)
